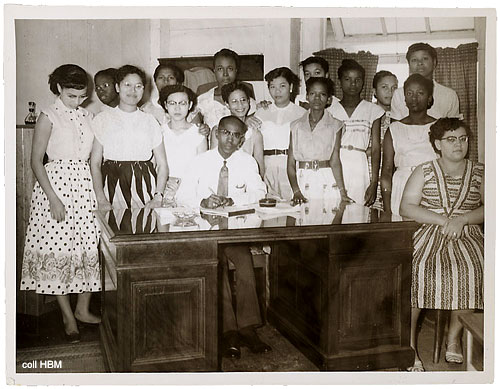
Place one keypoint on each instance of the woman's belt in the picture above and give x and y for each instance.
(275, 152)
(314, 165)
(351, 147)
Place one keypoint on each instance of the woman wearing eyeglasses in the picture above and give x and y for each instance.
(236, 96)
(406, 143)
(447, 196)
(127, 138)
(104, 81)
(182, 139)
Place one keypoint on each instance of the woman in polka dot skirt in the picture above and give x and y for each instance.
(60, 254)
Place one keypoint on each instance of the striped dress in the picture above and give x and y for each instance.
(448, 273)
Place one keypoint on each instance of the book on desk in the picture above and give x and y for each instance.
(228, 211)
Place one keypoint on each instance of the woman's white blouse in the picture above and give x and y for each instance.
(127, 136)
(181, 148)
(71, 136)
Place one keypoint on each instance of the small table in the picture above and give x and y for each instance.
(473, 340)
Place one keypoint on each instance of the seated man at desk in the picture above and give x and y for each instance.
(227, 176)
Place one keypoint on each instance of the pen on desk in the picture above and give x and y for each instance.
(215, 194)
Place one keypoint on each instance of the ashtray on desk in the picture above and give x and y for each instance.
(267, 203)
(185, 219)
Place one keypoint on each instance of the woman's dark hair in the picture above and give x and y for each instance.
(319, 60)
(420, 80)
(427, 84)
(68, 76)
(178, 73)
(326, 82)
(125, 70)
(442, 125)
(177, 88)
(350, 64)
(109, 72)
(381, 74)
(288, 75)
(227, 89)
(228, 54)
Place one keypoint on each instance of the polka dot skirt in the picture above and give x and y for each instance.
(62, 257)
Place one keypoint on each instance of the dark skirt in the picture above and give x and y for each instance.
(128, 184)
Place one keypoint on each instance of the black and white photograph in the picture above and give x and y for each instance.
(249, 191)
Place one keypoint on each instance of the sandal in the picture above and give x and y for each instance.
(453, 357)
(417, 367)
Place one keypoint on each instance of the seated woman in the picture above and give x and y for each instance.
(127, 139)
(236, 96)
(447, 196)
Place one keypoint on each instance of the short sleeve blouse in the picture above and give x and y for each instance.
(127, 136)
(358, 126)
(317, 144)
(71, 136)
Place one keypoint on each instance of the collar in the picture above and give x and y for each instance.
(59, 106)
(225, 159)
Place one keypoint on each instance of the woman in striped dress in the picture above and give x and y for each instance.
(446, 195)
(127, 139)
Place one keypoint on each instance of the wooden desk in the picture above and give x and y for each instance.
(473, 340)
(339, 292)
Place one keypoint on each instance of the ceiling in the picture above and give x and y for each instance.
(390, 28)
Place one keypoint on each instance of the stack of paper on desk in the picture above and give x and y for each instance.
(228, 211)
(281, 209)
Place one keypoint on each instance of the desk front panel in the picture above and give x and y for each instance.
(340, 289)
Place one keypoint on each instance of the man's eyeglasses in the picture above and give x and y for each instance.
(234, 135)
(174, 103)
(453, 139)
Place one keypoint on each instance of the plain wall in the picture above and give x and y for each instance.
(42, 45)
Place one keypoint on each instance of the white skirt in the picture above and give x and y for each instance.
(355, 172)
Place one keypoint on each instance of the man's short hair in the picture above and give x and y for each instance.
(227, 53)
(233, 119)
(421, 47)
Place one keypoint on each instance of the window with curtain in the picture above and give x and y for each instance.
(366, 59)
(457, 69)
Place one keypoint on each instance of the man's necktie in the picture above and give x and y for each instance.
(223, 181)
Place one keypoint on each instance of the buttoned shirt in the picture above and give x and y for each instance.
(317, 144)
(245, 185)
(71, 136)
